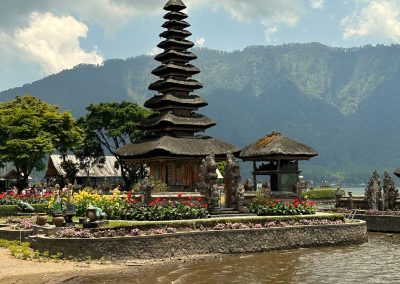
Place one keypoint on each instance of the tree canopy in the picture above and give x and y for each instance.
(30, 129)
(114, 125)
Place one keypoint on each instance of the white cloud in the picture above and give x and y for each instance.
(270, 30)
(317, 4)
(50, 41)
(154, 51)
(379, 18)
(113, 14)
(270, 13)
(200, 41)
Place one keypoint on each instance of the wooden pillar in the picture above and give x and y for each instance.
(254, 176)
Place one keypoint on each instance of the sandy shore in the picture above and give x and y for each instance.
(13, 270)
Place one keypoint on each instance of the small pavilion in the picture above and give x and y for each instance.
(172, 149)
(281, 155)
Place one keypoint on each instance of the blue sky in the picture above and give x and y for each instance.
(42, 37)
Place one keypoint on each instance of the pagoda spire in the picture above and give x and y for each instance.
(174, 104)
(174, 5)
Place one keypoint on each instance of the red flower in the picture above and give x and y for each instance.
(180, 195)
(204, 205)
(200, 199)
(277, 200)
(134, 201)
(190, 197)
(312, 203)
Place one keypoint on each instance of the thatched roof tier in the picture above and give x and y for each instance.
(175, 34)
(397, 172)
(175, 24)
(175, 44)
(174, 5)
(159, 121)
(175, 16)
(172, 69)
(275, 146)
(175, 56)
(169, 101)
(168, 84)
(168, 146)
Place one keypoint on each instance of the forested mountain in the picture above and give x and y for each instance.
(342, 102)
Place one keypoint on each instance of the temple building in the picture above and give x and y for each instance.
(281, 156)
(171, 148)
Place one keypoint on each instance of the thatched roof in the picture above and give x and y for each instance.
(171, 68)
(176, 100)
(397, 172)
(167, 146)
(275, 145)
(169, 119)
(174, 5)
(169, 83)
(107, 170)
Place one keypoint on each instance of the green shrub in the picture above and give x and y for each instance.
(10, 210)
(318, 194)
(278, 207)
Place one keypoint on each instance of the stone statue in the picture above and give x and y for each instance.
(373, 191)
(300, 186)
(248, 185)
(70, 198)
(25, 207)
(146, 187)
(57, 204)
(389, 191)
(232, 179)
(208, 182)
(338, 195)
(239, 197)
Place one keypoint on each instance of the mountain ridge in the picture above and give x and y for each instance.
(341, 101)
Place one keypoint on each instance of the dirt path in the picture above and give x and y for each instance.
(16, 271)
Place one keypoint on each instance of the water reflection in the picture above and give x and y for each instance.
(373, 262)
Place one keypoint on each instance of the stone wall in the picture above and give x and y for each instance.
(7, 233)
(379, 223)
(208, 242)
(359, 202)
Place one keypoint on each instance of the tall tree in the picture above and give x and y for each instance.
(89, 154)
(30, 129)
(115, 125)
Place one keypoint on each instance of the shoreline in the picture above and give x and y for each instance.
(13, 270)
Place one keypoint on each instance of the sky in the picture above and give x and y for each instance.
(43, 37)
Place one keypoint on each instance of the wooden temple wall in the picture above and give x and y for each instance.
(176, 173)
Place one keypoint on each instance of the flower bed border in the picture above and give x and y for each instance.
(204, 242)
(7, 233)
(211, 222)
(381, 223)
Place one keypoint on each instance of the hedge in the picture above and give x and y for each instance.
(10, 210)
(319, 194)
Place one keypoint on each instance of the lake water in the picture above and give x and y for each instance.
(357, 191)
(374, 262)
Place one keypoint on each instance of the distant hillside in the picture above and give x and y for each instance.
(343, 102)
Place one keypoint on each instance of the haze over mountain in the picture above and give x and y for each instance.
(342, 102)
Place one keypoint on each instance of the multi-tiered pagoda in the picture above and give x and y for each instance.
(171, 149)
